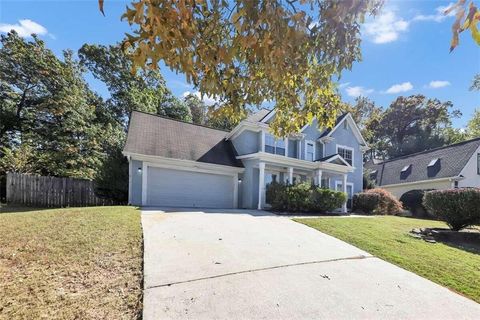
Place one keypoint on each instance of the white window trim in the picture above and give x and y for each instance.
(306, 149)
(348, 148)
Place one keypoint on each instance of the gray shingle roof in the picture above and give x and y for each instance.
(158, 136)
(339, 119)
(452, 159)
(258, 116)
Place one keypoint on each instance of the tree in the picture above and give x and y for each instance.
(197, 107)
(143, 90)
(248, 51)
(464, 19)
(473, 126)
(412, 124)
(46, 104)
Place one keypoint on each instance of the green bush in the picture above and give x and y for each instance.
(413, 201)
(365, 202)
(459, 208)
(376, 201)
(325, 200)
(303, 197)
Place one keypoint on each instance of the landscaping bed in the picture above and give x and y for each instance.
(74, 263)
(387, 237)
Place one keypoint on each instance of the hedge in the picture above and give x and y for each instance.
(376, 201)
(303, 197)
(413, 201)
(459, 208)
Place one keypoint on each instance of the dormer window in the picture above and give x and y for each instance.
(406, 172)
(274, 146)
(433, 162)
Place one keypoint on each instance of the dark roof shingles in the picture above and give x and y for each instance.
(158, 136)
(453, 159)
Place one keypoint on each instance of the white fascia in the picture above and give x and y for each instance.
(182, 164)
(304, 164)
(245, 125)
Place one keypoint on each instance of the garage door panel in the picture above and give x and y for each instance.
(178, 188)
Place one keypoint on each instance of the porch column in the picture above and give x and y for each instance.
(286, 147)
(262, 141)
(344, 185)
(319, 178)
(261, 182)
(299, 145)
(290, 175)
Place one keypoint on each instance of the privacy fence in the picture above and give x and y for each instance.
(33, 190)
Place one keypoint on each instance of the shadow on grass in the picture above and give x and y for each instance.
(11, 208)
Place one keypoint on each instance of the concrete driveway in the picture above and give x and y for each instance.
(251, 265)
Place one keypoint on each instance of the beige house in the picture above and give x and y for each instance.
(453, 166)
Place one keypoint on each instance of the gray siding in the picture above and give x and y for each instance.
(136, 188)
(247, 142)
(347, 138)
(249, 186)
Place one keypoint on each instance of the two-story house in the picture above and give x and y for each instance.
(178, 164)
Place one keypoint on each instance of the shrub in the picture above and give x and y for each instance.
(303, 197)
(413, 201)
(459, 208)
(377, 201)
(325, 200)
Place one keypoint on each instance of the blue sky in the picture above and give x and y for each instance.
(405, 49)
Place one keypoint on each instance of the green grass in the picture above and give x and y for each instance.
(72, 263)
(387, 238)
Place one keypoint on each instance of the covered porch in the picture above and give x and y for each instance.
(331, 174)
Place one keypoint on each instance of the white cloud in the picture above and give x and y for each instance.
(358, 91)
(24, 28)
(438, 84)
(208, 100)
(401, 87)
(343, 85)
(386, 27)
(438, 16)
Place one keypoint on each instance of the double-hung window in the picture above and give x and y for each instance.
(309, 150)
(275, 146)
(346, 153)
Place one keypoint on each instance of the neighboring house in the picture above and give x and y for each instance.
(454, 166)
(179, 164)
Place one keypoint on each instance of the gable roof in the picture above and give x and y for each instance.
(154, 135)
(452, 160)
(353, 125)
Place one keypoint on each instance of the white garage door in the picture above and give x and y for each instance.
(178, 188)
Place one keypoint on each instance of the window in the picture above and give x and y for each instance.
(310, 151)
(433, 162)
(346, 153)
(456, 184)
(275, 146)
(478, 163)
(345, 125)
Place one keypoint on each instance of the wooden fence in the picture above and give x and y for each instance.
(33, 190)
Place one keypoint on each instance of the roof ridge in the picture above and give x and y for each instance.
(178, 120)
(428, 151)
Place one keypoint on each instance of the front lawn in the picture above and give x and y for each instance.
(387, 238)
(72, 263)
